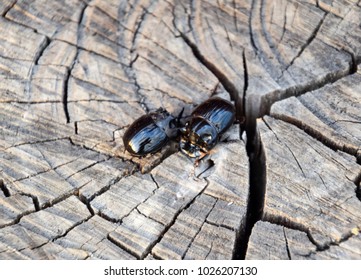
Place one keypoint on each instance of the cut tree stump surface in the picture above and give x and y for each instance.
(284, 182)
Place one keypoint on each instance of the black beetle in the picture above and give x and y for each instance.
(206, 125)
(150, 132)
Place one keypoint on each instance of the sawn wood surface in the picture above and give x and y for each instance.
(284, 182)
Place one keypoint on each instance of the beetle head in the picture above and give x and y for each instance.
(198, 137)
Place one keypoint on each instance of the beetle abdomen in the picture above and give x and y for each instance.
(218, 112)
(148, 134)
(147, 140)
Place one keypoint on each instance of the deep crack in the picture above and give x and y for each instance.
(257, 188)
(68, 75)
(4, 189)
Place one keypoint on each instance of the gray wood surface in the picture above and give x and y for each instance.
(284, 183)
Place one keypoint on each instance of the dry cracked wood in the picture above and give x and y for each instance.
(74, 74)
(321, 184)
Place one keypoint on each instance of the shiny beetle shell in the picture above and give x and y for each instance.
(206, 125)
(149, 133)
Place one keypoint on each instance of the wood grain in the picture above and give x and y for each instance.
(330, 114)
(315, 196)
(75, 74)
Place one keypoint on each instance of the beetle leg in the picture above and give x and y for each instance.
(202, 155)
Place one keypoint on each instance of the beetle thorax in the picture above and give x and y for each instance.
(198, 136)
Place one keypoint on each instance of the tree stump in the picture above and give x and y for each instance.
(284, 183)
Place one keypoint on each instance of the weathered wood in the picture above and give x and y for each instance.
(13, 207)
(38, 228)
(220, 208)
(89, 240)
(75, 74)
(330, 114)
(310, 188)
(271, 241)
(168, 201)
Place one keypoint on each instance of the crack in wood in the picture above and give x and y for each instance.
(214, 43)
(110, 219)
(133, 76)
(269, 39)
(288, 223)
(250, 27)
(209, 251)
(106, 188)
(219, 225)
(257, 188)
(199, 230)
(87, 167)
(358, 185)
(58, 236)
(226, 83)
(66, 93)
(103, 189)
(37, 206)
(183, 101)
(222, 78)
(138, 27)
(305, 45)
(204, 169)
(132, 61)
(286, 243)
(121, 246)
(13, 58)
(16, 219)
(318, 135)
(166, 74)
(30, 102)
(66, 195)
(155, 182)
(155, 16)
(4, 189)
(243, 113)
(4, 14)
(85, 83)
(344, 238)
(76, 128)
(284, 23)
(51, 168)
(234, 14)
(288, 148)
(131, 71)
(38, 55)
(70, 69)
(295, 90)
(291, 224)
(221, 23)
(120, 222)
(174, 219)
(354, 61)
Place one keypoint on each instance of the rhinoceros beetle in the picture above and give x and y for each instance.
(150, 133)
(205, 127)
(201, 132)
